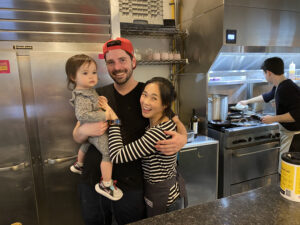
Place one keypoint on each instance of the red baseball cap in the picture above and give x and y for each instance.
(118, 43)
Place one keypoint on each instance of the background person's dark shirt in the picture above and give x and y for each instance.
(287, 99)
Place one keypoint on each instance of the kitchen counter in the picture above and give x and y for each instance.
(264, 206)
(201, 140)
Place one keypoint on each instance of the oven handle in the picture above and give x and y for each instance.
(251, 153)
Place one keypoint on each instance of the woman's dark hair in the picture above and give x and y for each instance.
(274, 65)
(167, 93)
(73, 64)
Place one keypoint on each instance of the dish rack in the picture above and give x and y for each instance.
(141, 11)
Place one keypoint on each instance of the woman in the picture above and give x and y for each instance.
(163, 185)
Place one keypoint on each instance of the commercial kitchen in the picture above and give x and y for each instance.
(211, 50)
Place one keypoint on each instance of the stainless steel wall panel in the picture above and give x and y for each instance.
(55, 21)
(263, 26)
(74, 6)
(52, 27)
(58, 17)
(191, 89)
(201, 47)
(53, 37)
(286, 5)
(17, 187)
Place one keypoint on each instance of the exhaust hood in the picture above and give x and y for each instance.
(55, 21)
(226, 36)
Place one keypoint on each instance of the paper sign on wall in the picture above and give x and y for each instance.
(4, 66)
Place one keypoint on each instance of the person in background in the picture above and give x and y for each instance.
(163, 183)
(287, 100)
(123, 96)
(82, 75)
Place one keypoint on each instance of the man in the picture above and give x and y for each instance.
(123, 96)
(287, 98)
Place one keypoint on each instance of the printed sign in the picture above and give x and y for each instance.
(4, 66)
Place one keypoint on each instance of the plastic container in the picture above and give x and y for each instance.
(171, 56)
(156, 56)
(292, 70)
(290, 176)
(177, 56)
(164, 55)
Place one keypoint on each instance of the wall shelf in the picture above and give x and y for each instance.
(149, 30)
(162, 62)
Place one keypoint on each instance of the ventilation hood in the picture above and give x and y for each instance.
(237, 35)
(55, 20)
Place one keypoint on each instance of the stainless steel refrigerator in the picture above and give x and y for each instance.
(36, 119)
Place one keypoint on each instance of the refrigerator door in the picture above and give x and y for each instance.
(18, 203)
(56, 120)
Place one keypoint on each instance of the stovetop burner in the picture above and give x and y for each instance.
(235, 125)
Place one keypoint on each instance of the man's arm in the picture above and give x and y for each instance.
(178, 140)
(285, 118)
(252, 100)
(81, 133)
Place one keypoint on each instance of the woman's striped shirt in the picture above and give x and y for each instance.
(156, 166)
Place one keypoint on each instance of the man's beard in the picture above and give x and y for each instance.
(127, 77)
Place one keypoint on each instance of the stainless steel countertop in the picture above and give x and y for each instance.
(201, 141)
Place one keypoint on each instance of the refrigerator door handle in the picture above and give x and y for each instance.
(54, 161)
(20, 166)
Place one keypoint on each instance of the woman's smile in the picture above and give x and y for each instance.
(151, 103)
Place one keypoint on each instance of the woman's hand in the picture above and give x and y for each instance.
(102, 102)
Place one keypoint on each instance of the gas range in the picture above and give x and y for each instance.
(240, 136)
(248, 156)
(241, 132)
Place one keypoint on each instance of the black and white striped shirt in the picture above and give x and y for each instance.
(156, 166)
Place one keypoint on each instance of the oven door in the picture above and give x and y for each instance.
(254, 162)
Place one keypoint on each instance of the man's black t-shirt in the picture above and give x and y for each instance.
(287, 99)
(129, 175)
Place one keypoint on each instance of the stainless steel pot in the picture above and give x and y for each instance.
(217, 107)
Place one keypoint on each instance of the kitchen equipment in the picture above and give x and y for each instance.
(216, 123)
(292, 69)
(36, 118)
(198, 165)
(290, 176)
(217, 107)
(190, 136)
(248, 155)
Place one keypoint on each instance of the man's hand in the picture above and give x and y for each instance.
(173, 145)
(243, 102)
(81, 133)
(268, 119)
